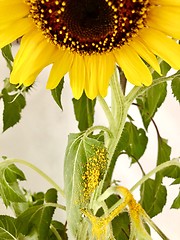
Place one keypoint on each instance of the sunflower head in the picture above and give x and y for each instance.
(88, 38)
(89, 26)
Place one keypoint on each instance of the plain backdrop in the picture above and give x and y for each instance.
(41, 138)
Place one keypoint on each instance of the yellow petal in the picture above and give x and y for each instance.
(162, 45)
(29, 43)
(91, 84)
(27, 64)
(134, 68)
(166, 2)
(60, 68)
(11, 12)
(165, 19)
(9, 2)
(77, 76)
(105, 71)
(99, 71)
(28, 80)
(144, 52)
(15, 30)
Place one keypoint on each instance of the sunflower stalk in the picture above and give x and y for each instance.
(119, 110)
(117, 118)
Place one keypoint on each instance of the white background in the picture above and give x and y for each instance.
(41, 138)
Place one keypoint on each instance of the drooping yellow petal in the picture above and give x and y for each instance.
(99, 71)
(166, 2)
(134, 68)
(165, 19)
(27, 64)
(27, 80)
(60, 68)
(28, 44)
(145, 53)
(77, 76)
(105, 71)
(91, 83)
(15, 30)
(162, 45)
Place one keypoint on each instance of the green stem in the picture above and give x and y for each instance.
(119, 111)
(83, 231)
(41, 173)
(56, 205)
(153, 225)
(136, 91)
(106, 110)
(155, 170)
(98, 127)
(160, 167)
(53, 229)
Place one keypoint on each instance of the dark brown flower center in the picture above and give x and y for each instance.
(89, 26)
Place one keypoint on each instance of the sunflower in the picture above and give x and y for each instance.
(88, 38)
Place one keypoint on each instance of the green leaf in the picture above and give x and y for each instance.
(121, 226)
(60, 228)
(38, 217)
(175, 85)
(9, 188)
(172, 172)
(153, 193)
(13, 173)
(84, 112)
(19, 207)
(7, 54)
(133, 141)
(82, 160)
(31, 236)
(164, 151)
(32, 200)
(121, 223)
(38, 198)
(8, 229)
(177, 181)
(150, 101)
(176, 203)
(56, 93)
(9, 87)
(13, 105)
(153, 198)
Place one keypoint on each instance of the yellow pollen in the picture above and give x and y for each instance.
(94, 170)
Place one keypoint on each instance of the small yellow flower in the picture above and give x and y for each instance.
(88, 38)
